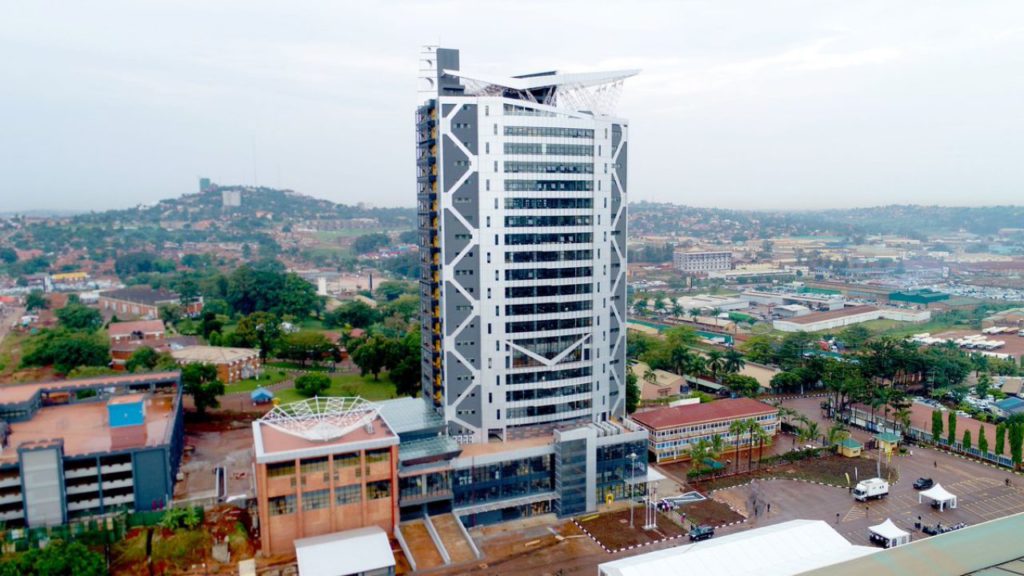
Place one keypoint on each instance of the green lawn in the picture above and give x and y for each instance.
(349, 385)
(270, 377)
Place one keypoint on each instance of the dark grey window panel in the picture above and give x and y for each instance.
(616, 136)
(467, 272)
(622, 166)
(457, 308)
(467, 116)
(469, 410)
(468, 343)
(456, 237)
(455, 162)
(460, 378)
(465, 200)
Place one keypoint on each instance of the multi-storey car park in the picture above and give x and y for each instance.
(75, 448)
(522, 214)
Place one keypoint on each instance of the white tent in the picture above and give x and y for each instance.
(939, 495)
(350, 552)
(889, 534)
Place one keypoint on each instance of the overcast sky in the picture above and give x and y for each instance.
(784, 104)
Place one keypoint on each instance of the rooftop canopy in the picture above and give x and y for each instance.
(321, 418)
(350, 552)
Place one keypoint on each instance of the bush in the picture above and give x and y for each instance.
(310, 385)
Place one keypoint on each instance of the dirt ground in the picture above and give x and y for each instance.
(216, 440)
(613, 531)
(710, 512)
(828, 469)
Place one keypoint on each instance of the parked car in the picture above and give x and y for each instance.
(923, 483)
(701, 532)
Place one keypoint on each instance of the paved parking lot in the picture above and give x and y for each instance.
(981, 490)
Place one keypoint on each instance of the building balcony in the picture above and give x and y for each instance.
(82, 488)
(83, 504)
(117, 500)
(8, 481)
(113, 468)
(12, 515)
(9, 498)
(78, 473)
(112, 484)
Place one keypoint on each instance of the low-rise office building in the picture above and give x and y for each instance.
(75, 448)
(702, 261)
(671, 431)
(144, 302)
(233, 364)
(328, 465)
(847, 317)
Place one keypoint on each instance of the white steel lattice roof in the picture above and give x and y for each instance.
(322, 419)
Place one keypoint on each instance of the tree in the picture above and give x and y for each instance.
(298, 298)
(313, 384)
(982, 442)
(356, 314)
(1000, 438)
(170, 314)
(716, 364)
(737, 428)
(855, 336)
(8, 255)
(1016, 433)
(66, 350)
(369, 242)
(142, 359)
(936, 425)
(305, 346)
(650, 376)
(984, 383)
(809, 431)
(967, 440)
(79, 318)
(372, 355)
(742, 385)
(404, 364)
(59, 558)
(390, 290)
(760, 436)
(951, 427)
(632, 392)
(36, 301)
(200, 382)
(257, 330)
(734, 362)
(640, 307)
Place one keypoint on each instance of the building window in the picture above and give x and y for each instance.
(378, 456)
(316, 500)
(350, 494)
(279, 469)
(281, 505)
(314, 465)
(378, 490)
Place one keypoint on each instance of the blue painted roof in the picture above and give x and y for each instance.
(261, 393)
(1010, 403)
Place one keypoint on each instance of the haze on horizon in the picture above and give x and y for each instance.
(782, 105)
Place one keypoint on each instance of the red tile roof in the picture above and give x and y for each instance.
(143, 326)
(730, 409)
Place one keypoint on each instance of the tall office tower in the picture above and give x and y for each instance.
(522, 218)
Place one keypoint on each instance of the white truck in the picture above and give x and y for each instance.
(870, 489)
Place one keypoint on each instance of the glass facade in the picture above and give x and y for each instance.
(613, 468)
(512, 479)
(571, 477)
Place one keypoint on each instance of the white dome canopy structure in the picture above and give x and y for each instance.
(322, 419)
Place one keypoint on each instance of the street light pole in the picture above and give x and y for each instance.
(632, 472)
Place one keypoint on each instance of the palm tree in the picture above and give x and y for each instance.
(680, 358)
(837, 433)
(737, 428)
(902, 417)
(761, 436)
(734, 361)
(716, 364)
(650, 376)
(659, 303)
(640, 307)
(785, 413)
(753, 427)
(698, 452)
(677, 308)
(698, 365)
(716, 446)
(694, 312)
(810, 431)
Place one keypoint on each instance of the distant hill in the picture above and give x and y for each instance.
(253, 202)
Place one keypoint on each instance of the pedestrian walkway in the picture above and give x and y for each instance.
(424, 553)
(452, 538)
